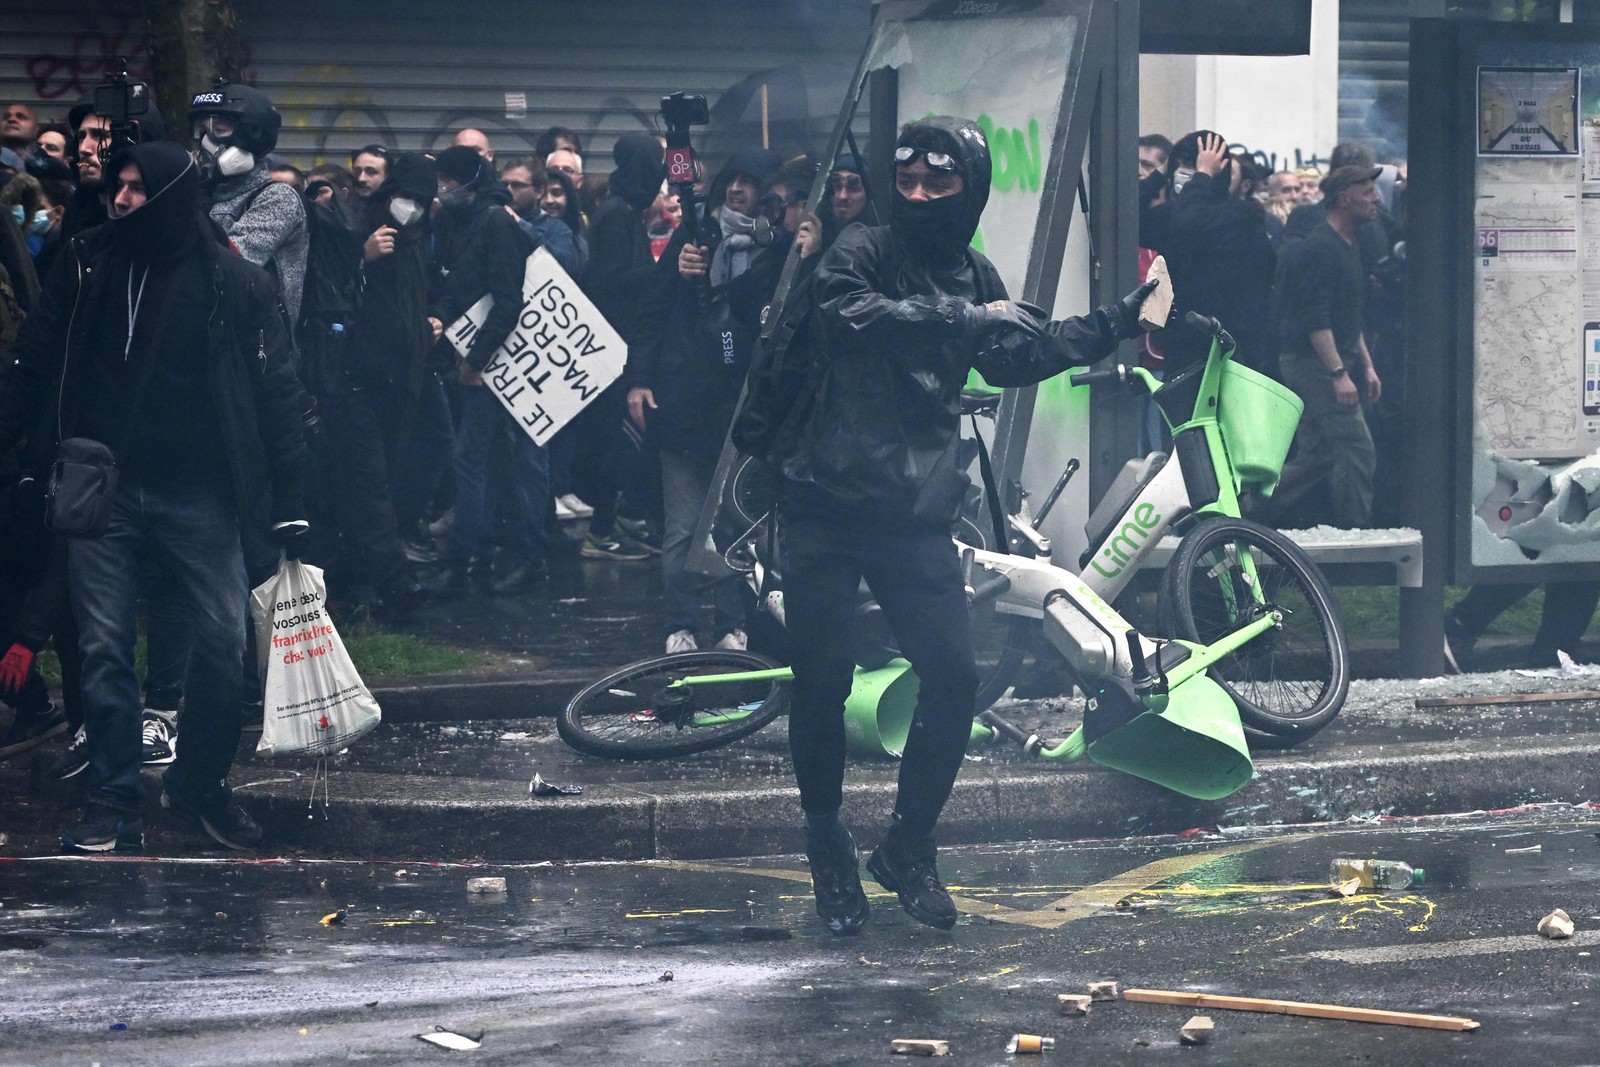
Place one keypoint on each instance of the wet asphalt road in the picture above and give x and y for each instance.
(217, 961)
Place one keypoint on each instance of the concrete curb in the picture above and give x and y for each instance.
(398, 817)
(432, 700)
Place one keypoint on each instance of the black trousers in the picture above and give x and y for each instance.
(1568, 607)
(366, 426)
(914, 573)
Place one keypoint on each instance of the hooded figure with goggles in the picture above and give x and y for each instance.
(872, 484)
(234, 128)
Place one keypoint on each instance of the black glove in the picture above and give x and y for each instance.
(292, 537)
(984, 321)
(1124, 314)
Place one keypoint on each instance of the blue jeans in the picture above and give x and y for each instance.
(685, 481)
(493, 453)
(193, 534)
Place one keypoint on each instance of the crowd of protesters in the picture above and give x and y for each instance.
(1305, 270)
(262, 349)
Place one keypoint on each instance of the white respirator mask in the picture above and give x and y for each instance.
(404, 210)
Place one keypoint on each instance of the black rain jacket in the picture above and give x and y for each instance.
(259, 402)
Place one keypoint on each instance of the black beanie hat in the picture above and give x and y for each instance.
(412, 174)
(462, 165)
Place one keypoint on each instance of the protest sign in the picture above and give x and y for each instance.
(559, 357)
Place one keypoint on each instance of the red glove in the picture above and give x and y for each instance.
(14, 669)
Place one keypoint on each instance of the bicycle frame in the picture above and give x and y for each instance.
(1168, 498)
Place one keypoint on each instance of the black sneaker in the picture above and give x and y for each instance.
(915, 880)
(520, 578)
(836, 881)
(1458, 642)
(160, 741)
(611, 547)
(219, 816)
(105, 829)
(29, 730)
(420, 550)
(74, 761)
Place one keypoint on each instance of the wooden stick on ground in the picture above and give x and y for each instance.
(1294, 1007)
(1507, 698)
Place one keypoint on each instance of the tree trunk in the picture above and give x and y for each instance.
(192, 43)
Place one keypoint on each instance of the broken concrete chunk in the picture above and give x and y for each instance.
(917, 1046)
(1557, 925)
(1156, 309)
(1074, 1003)
(1197, 1031)
(486, 885)
(1104, 991)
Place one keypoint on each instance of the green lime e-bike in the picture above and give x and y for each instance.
(1256, 644)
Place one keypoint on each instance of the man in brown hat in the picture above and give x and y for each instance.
(1324, 359)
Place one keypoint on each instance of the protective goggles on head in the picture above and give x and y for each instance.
(907, 154)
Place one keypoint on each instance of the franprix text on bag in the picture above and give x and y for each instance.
(315, 702)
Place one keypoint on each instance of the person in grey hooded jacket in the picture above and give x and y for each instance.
(236, 126)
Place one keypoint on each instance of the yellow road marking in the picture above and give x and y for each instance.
(1079, 904)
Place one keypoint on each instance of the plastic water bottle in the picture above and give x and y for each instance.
(1376, 874)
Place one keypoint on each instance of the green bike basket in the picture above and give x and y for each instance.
(1257, 417)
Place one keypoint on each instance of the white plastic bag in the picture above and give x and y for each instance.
(315, 702)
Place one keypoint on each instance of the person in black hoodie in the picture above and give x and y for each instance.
(1217, 251)
(154, 339)
(385, 365)
(619, 270)
(486, 254)
(872, 486)
(685, 381)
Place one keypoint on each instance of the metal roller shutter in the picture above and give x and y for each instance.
(409, 72)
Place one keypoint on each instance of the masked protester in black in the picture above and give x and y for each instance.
(377, 388)
(154, 339)
(619, 271)
(872, 487)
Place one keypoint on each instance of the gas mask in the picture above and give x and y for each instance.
(404, 210)
(228, 160)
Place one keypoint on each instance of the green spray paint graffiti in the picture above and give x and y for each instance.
(1018, 161)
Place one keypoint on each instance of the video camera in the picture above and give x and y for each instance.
(682, 112)
(121, 101)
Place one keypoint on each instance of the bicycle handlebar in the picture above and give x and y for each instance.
(1117, 375)
(1210, 327)
(989, 589)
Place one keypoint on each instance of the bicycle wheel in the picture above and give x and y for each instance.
(1291, 681)
(999, 648)
(632, 714)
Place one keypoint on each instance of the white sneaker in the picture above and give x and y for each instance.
(681, 641)
(735, 641)
(564, 513)
(570, 501)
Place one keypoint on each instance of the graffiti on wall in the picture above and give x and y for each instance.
(89, 54)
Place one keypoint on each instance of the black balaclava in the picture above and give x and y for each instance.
(939, 231)
(169, 220)
(639, 172)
